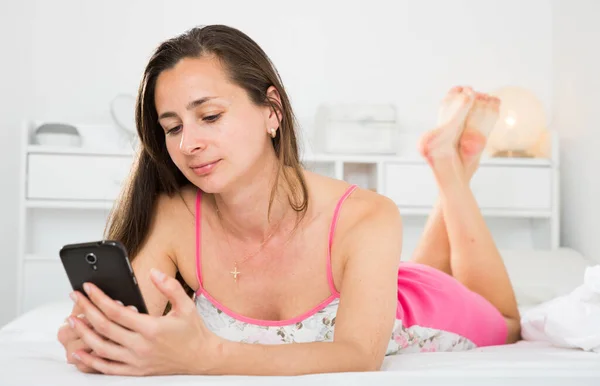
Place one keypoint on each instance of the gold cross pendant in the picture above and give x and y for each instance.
(235, 273)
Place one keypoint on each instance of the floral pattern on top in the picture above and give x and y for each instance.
(320, 326)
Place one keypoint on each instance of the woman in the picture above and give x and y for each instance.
(274, 253)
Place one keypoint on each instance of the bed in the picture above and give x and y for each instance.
(31, 355)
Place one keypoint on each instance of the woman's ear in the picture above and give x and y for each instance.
(275, 114)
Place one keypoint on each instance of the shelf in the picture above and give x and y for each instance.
(361, 174)
(73, 150)
(68, 204)
(373, 159)
(506, 213)
(310, 158)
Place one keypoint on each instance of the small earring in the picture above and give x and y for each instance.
(273, 132)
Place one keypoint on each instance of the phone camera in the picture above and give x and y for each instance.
(91, 258)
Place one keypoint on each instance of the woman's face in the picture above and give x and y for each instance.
(214, 133)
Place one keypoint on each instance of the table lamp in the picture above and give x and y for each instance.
(521, 124)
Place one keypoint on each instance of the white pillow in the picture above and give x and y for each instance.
(541, 275)
(41, 323)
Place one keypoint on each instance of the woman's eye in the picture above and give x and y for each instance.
(174, 130)
(211, 118)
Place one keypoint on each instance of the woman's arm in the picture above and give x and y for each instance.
(366, 313)
(156, 253)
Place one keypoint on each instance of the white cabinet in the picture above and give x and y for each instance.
(514, 188)
(495, 186)
(67, 193)
(75, 176)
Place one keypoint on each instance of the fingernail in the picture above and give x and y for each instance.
(81, 316)
(134, 308)
(87, 288)
(157, 274)
(74, 355)
(71, 322)
(119, 302)
(73, 297)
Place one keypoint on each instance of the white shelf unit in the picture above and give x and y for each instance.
(67, 193)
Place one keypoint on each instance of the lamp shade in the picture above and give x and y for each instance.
(521, 123)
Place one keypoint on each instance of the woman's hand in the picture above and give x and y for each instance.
(125, 342)
(72, 342)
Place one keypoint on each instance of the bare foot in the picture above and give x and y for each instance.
(440, 145)
(478, 126)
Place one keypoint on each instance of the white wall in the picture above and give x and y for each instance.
(72, 57)
(576, 93)
(15, 94)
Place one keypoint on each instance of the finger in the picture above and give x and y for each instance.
(106, 367)
(66, 334)
(83, 367)
(107, 317)
(77, 310)
(127, 317)
(81, 317)
(173, 291)
(102, 348)
(73, 346)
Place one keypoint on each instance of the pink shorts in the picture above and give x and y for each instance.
(430, 298)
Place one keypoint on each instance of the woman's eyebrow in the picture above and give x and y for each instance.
(193, 104)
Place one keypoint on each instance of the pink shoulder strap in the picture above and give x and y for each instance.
(198, 236)
(334, 221)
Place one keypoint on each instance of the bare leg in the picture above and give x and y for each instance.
(434, 246)
(475, 261)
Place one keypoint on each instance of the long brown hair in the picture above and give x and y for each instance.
(154, 173)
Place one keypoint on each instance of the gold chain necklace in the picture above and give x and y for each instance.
(235, 273)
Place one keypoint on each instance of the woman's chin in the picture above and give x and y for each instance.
(209, 185)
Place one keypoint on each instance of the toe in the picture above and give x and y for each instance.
(452, 94)
(480, 99)
(455, 90)
(495, 102)
(455, 106)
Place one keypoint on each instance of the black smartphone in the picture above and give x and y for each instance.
(105, 264)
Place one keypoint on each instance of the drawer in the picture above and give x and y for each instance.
(494, 187)
(76, 177)
(44, 281)
(519, 188)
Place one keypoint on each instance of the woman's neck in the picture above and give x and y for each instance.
(244, 213)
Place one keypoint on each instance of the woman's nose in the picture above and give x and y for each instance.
(191, 140)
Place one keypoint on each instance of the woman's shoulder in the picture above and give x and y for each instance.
(360, 209)
(368, 223)
(176, 206)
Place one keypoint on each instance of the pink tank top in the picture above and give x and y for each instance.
(210, 308)
(315, 325)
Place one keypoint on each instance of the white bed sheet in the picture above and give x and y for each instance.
(31, 355)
